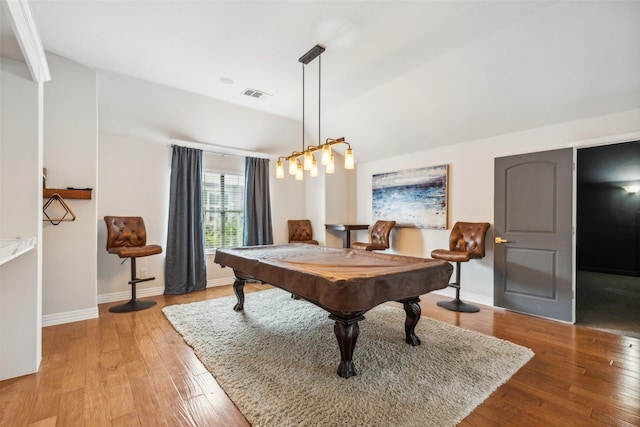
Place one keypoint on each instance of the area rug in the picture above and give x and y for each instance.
(277, 362)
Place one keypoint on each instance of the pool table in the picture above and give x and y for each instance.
(344, 282)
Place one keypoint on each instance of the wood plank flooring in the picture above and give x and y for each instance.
(133, 369)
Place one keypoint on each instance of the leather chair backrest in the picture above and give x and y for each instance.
(125, 231)
(469, 237)
(380, 232)
(300, 230)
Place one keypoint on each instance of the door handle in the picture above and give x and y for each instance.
(501, 240)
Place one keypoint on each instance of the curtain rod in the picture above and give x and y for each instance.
(221, 149)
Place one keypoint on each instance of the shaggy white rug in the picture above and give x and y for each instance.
(277, 361)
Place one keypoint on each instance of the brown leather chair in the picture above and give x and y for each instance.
(300, 231)
(379, 237)
(127, 238)
(465, 242)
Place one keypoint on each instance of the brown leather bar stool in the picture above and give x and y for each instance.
(379, 237)
(300, 231)
(465, 242)
(127, 238)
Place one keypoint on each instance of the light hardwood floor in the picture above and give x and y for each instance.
(133, 369)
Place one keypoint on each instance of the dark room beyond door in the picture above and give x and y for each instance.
(608, 238)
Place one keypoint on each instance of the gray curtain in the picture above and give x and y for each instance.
(185, 263)
(257, 203)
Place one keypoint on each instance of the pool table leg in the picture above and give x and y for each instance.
(413, 310)
(238, 289)
(347, 331)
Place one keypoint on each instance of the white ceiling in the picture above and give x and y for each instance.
(524, 63)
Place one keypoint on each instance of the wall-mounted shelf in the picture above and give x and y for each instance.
(74, 193)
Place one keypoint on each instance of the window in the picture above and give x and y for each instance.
(223, 207)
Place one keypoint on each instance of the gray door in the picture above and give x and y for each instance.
(533, 233)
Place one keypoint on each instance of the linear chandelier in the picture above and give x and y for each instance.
(309, 162)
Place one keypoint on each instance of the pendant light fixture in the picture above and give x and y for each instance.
(309, 162)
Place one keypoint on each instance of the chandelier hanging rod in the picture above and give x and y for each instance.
(309, 162)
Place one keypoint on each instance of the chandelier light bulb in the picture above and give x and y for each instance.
(326, 154)
(308, 160)
(314, 168)
(299, 172)
(279, 169)
(330, 166)
(293, 165)
(349, 162)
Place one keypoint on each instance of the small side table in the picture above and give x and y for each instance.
(346, 231)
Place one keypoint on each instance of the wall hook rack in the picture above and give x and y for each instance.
(68, 212)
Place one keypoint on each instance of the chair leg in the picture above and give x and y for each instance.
(134, 304)
(457, 304)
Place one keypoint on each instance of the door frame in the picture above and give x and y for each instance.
(574, 240)
(573, 254)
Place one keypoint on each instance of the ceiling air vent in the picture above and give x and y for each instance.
(257, 94)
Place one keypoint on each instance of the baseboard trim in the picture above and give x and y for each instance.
(211, 283)
(69, 317)
(92, 313)
(155, 291)
(126, 295)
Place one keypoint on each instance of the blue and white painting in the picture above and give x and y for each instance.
(413, 198)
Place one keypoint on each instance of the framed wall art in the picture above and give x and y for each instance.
(413, 198)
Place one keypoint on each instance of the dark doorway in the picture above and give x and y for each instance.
(608, 238)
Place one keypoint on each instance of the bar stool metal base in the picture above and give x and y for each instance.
(458, 305)
(132, 305)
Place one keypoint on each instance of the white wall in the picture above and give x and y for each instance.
(340, 198)
(471, 184)
(70, 157)
(479, 90)
(133, 178)
(314, 203)
(21, 109)
(138, 123)
(288, 201)
(151, 112)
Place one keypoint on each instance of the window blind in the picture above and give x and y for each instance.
(223, 209)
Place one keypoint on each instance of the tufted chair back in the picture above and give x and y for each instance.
(379, 237)
(469, 237)
(380, 233)
(127, 237)
(466, 242)
(125, 231)
(300, 231)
